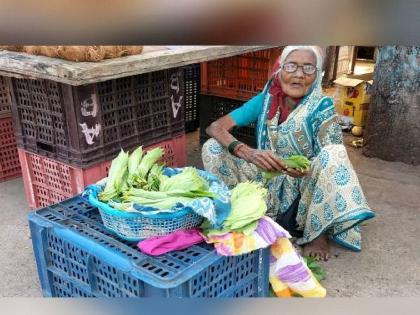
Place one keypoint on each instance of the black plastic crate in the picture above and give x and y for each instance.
(85, 125)
(192, 97)
(214, 107)
(5, 100)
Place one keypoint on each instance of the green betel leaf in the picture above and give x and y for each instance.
(299, 162)
(247, 205)
(148, 161)
(133, 164)
(187, 180)
(316, 269)
(116, 178)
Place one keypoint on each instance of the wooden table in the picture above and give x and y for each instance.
(153, 58)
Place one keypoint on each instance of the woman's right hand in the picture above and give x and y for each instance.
(264, 159)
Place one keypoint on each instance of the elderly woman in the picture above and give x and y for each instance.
(294, 117)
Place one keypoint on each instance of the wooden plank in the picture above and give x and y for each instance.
(153, 58)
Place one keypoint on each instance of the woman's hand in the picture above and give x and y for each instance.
(295, 173)
(266, 160)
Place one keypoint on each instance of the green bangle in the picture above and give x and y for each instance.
(231, 147)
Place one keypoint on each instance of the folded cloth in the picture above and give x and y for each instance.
(215, 210)
(238, 243)
(289, 275)
(175, 241)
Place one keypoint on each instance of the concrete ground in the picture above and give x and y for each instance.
(389, 264)
(17, 264)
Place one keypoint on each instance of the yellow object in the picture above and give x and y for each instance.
(357, 143)
(353, 99)
(357, 131)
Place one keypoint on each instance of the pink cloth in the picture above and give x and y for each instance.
(175, 241)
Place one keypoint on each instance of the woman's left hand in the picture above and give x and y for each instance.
(295, 173)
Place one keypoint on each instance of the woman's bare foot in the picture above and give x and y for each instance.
(319, 248)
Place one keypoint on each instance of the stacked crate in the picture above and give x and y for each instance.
(192, 97)
(77, 256)
(229, 82)
(68, 135)
(9, 159)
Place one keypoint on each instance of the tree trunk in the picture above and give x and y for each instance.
(393, 126)
(330, 66)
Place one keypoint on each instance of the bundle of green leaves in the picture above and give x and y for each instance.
(298, 162)
(247, 207)
(138, 178)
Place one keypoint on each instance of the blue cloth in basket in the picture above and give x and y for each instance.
(215, 210)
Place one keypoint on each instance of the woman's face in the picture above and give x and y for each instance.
(297, 84)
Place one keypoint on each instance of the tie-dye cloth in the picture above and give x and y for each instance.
(289, 275)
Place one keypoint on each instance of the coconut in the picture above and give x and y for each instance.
(95, 53)
(49, 51)
(110, 51)
(357, 131)
(73, 53)
(134, 50)
(33, 50)
(12, 48)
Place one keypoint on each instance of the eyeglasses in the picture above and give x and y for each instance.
(291, 67)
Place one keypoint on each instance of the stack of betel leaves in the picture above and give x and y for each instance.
(139, 179)
(247, 207)
(297, 162)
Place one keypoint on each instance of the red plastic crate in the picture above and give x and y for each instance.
(48, 181)
(239, 77)
(9, 158)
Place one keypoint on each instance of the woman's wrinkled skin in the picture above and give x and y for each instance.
(298, 84)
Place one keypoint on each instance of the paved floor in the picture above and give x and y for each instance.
(17, 264)
(389, 264)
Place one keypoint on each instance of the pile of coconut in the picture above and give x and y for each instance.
(78, 53)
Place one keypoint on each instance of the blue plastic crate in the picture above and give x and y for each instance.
(77, 257)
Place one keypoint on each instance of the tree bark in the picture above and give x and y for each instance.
(393, 126)
(330, 66)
